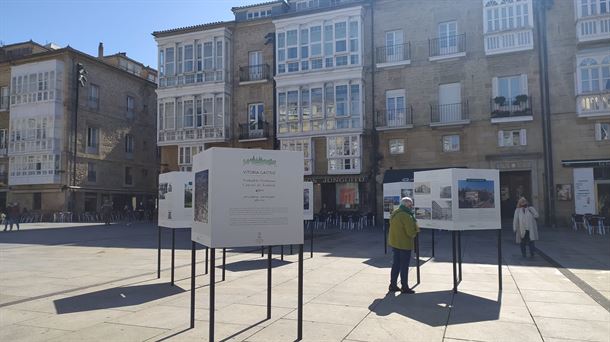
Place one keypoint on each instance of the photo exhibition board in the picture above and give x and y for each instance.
(176, 200)
(392, 193)
(248, 197)
(308, 201)
(458, 199)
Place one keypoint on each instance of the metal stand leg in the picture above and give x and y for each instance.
(212, 291)
(418, 260)
(300, 299)
(290, 249)
(385, 239)
(453, 242)
(262, 251)
(159, 253)
(269, 283)
(207, 250)
(224, 260)
(311, 243)
(173, 252)
(459, 234)
(500, 259)
(193, 263)
(282, 253)
(433, 243)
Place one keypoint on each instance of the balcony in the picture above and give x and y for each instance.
(254, 74)
(4, 102)
(394, 119)
(449, 114)
(393, 55)
(317, 4)
(514, 109)
(593, 28)
(201, 77)
(593, 104)
(447, 47)
(508, 41)
(203, 134)
(254, 131)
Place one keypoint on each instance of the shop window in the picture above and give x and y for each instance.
(348, 197)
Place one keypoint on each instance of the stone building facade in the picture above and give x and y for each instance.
(373, 90)
(115, 130)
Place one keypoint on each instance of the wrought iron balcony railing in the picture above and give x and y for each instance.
(453, 113)
(254, 130)
(254, 73)
(502, 107)
(446, 46)
(394, 118)
(393, 53)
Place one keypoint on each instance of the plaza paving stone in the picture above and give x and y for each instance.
(74, 282)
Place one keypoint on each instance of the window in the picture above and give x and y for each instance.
(128, 176)
(594, 74)
(34, 165)
(506, 89)
(93, 139)
(4, 98)
(449, 103)
(602, 131)
(343, 153)
(94, 96)
(507, 15)
(395, 108)
(347, 196)
(189, 113)
(397, 146)
(302, 49)
(30, 88)
(169, 116)
(593, 7)
(188, 58)
(512, 138)
(447, 38)
(3, 139)
(129, 143)
(256, 117)
(131, 105)
(91, 172)
(451, 143)
(394, 48)
(186, 154)
(300, 145)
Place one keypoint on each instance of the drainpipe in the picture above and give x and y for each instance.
(549, 199)
(270, 39)
(374, 136)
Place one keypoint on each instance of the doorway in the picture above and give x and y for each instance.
(513, 185)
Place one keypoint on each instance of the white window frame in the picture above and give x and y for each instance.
(4, 98)
(506, 138)
(131, 106)
(94, 96)
(3, 139)
(303, 145)
(602, 131)
(451, 146)
(500, 17)
(334, 152)
(395, 115)
(593, 8)
(129, 143)
(590, 65)
(396, 146)
(522, 80)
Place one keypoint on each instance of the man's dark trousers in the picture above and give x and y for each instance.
(400, 265)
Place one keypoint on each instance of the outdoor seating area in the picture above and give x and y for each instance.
(592, 224)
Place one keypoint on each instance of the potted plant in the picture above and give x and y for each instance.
(520, 99)
(500, 100)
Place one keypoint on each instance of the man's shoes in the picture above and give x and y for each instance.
(394, 288)
(407, 290)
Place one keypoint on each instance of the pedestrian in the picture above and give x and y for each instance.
(106, 211)
(403, 229)
(7, 217)
(525, 227)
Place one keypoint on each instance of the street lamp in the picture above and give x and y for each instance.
(81, 80)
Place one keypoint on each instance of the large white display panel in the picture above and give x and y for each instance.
(458, 199)
(248, 197)
(308, 201)
(176, 199)
(392, 193)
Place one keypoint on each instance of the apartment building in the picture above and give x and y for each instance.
(114, 129)
(373, 90)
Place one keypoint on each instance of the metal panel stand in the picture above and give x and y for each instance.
(269, 283)
(173, 252)
(282, 253)
(418, 260)
(300, 299)
(453, 243)
(207, 250)
(459, 235)
(311, 243)
(193, 263)
(212, 291)
(433, 243)
(500, 259)
(224, 260)
(385, 239)
(159, 253)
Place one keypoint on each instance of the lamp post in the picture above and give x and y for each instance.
(81, 80)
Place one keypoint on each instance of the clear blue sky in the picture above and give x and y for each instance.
(123, 26)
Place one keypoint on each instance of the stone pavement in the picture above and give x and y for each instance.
(68, 282)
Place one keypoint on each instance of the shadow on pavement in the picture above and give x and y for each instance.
(438, 308)
(251, 265)
(115, 297)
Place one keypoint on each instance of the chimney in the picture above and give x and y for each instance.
(100, 51)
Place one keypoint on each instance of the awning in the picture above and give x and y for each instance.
(586, 163)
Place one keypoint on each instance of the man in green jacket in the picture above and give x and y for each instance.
(403, 229)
